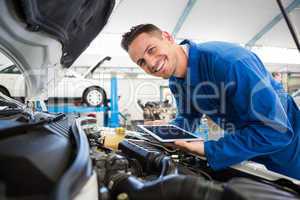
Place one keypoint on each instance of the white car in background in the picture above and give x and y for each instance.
(72, 86)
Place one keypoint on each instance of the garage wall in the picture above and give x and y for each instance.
(131, 90)
(147, 89)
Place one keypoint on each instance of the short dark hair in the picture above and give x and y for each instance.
(135, 31)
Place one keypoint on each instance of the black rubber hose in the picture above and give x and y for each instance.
(164, 167)
(173, 187)
(161, 163)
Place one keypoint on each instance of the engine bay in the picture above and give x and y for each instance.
(142, 168)
(55, 156)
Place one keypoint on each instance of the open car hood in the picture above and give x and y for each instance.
(44, 37)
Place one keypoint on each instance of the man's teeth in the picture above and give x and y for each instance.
(160, 67)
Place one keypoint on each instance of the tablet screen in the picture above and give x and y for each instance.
(168, 132)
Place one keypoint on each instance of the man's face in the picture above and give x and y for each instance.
(278, 77)
(155, 54)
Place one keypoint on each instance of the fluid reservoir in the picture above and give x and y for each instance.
(113, 138)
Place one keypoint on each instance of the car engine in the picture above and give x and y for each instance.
(142, 168)
(54, 156)
(156, 110)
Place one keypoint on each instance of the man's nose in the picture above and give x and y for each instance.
(151, 62)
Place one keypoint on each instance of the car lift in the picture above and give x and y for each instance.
(111, 120)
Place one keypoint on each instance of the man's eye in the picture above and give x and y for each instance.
(141, 63)
(151, 50)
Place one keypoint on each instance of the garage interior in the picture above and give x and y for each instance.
(72, 114)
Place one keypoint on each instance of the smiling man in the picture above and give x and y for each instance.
(230, 85)
(158, 58)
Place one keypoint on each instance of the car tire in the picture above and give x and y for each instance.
(94, 96)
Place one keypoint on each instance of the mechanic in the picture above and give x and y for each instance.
(229, 84)
(277, 76)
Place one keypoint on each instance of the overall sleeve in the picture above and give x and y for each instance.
(265, 129)
(187, 117)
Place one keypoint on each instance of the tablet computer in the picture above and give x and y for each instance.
(168, 133)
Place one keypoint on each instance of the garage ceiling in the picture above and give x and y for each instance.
(236, 21)
(247, 22)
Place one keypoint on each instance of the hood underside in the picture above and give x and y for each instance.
(43, 37)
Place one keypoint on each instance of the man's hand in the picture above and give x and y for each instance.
(156, 122)
(193, 147)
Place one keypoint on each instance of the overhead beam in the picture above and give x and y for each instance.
(272, 23)
(183, 16)
(289, 24)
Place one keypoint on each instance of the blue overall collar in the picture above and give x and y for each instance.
(192, 74)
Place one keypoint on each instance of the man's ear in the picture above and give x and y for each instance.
(167, 36)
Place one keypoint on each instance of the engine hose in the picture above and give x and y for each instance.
(173, 187)
(163, 164)
(167, 166)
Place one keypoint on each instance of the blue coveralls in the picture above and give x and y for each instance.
(231, 85)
